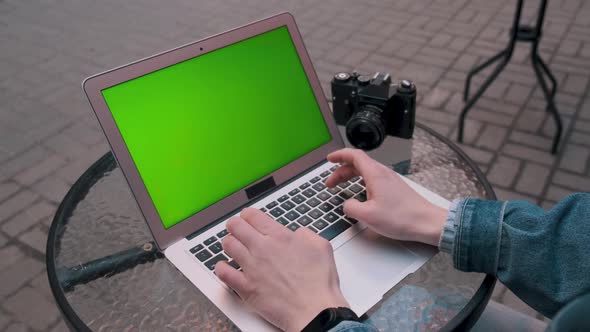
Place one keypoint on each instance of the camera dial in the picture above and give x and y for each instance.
(342, 77)
(366, 128)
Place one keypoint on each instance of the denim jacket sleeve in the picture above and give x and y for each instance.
(352, 326)
(543, 257)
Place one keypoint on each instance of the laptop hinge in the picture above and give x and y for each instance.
(260, 187)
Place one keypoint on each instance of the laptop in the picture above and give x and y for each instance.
(236, 120)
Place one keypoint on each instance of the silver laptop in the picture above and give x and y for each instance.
(237, 120)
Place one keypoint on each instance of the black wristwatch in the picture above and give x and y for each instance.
(328, 318)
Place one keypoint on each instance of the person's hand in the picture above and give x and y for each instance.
(392, 208)
(287, 277)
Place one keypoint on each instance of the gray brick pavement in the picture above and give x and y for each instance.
(48, 134)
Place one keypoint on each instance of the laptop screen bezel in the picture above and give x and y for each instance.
(95, 84)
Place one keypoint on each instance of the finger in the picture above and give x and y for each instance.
(343, 173)
(357, 158)
(236, 250)
(261, 222)
(243, 231)
(357, 210)
(233, 278)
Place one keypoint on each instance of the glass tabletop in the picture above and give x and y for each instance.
(107, 275)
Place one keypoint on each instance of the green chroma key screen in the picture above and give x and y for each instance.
(209, 126)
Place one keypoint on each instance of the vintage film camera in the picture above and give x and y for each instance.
(375, 115)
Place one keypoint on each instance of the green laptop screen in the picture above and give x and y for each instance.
(209, 126)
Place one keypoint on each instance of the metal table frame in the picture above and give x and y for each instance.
(127, 259)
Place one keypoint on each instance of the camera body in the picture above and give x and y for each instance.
(372, 108)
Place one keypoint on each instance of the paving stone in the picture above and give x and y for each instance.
(547, 205)
(508, 195)
(436, 98)
(52, 188)
(16, 203)
(30, 306)
(530, 154)
(492, 137)
(7, 189)
(4, 320)
(23, 161)
(60, 327)
(3, 240)
(580, 138)
(575, 158)
(41, 284)
(28, 217)
(517, 304)
(575, 182)
(530, 121)
(532, 179)
(10, 255)
(532, 140)
(503, 172)
(19, 274)
(556, 193)
(478, 155)
(518, 93)
(17, 327)
(575, 84)
(35, 238)
(42, 169)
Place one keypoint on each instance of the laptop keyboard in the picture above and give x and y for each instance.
(311, 205)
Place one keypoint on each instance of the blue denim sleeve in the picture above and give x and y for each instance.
(352, 326)
(543, 257)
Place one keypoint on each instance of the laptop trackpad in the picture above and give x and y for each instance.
(369, 265)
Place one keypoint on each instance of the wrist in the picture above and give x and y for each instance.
(305, 316)
(430, 225)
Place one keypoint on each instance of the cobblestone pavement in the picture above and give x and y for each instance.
(49, 136)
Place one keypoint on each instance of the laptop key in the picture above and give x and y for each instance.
(315, 213)
(293, 226)
(320, 224)
(302, 208)
(211, 263)
(333, 168)
(304, 221)
(334, 190)
(339, 210)
(356, 188)
(326, 207)
(324, 196)
(216, 248)
(344, 184)
(315, 179)
(325, 173)
(292, 215)
(234, 264)
(331, 217)
(319, 186)
(283, 221)
(283, 198)
(222, 234)
(298, 199)
(355, 179)
(313, 202)
(335, 229)
(210, 240)
(276, 212)
(271, 204)
(294, 192)
(312, 229)
(203, 255)
(308, 193)
(196, 248)
(287, 205)
(351, 220)
(345, 194)
(336, 200)
(361, 197)
(304, 186)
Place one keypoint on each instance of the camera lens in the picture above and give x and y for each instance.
(366, 128)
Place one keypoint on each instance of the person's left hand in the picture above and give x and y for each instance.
(287, 277)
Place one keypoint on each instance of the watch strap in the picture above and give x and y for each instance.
(328, 318)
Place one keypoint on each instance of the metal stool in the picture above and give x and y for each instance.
(523, 33)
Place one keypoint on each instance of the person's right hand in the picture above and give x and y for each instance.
(392, 209)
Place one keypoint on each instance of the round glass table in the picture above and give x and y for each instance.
(107, 275)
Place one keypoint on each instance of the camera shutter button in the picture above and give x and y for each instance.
(406, 84)
(363, 80)
(342, 77)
